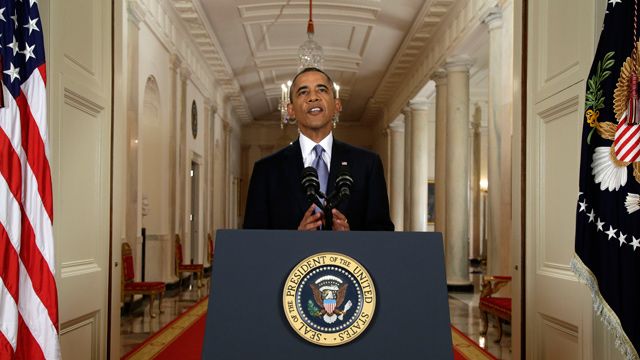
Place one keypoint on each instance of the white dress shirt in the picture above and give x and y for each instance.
(309, 155)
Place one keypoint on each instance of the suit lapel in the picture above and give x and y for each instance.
(294, 165)
(338, 155)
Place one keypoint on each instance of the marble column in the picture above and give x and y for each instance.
(227, 175)
(457, 174)
(396, 173)
(184, 166)
(498, 157)
(219, 191)
(440, 78)
(407, 169)
(207, 206)
(475, 182)
(174, 68)
(419, 164)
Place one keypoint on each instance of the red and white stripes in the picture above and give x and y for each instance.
(29, 315)
(627, 141)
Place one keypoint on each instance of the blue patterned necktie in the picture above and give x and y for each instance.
(321, 166)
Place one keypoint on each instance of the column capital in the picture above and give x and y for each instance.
(406, 111)
(185, 73)
(439, 76)
(397, 125)
(136, 12)
(174, 62)
(476, 118)
(459, 63)
(493, 18)
(420, 104)
(213, 107)
(226, 126)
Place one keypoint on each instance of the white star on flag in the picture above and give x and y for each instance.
(599, 224)
(622, 238)
(591, 215)
(15, 20)
(611, 232)
(583, 204)
(635, 243)
(13, 45)
(2, 14)
(28, 51)
(32, 25)
(13, 72)
(614, 2)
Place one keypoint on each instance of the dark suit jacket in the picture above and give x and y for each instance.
(276, 199)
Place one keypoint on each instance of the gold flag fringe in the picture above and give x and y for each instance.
(602, 309)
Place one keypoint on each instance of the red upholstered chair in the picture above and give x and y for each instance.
(181, 268)
(131, 288)
(500, 307)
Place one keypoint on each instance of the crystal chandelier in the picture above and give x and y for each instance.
(310, 54)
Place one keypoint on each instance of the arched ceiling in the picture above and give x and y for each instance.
(370, 47)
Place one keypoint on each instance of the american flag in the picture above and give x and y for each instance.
(28, 296)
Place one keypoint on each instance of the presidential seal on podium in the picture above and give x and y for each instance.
(329, 299)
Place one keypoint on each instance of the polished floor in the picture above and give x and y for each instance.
(463, 308)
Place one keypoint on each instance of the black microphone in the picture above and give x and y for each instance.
(344, 182)
(310, 183)
(342, 189)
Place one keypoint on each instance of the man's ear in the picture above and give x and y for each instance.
(290, 111)
(338, 105)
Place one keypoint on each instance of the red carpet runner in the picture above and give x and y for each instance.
(182, 339)
(466, 349)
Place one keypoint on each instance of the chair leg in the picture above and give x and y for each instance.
(499, 331)
(130, 305)
(160, 303)
(200, 273)
(152, 298)
(485, 322)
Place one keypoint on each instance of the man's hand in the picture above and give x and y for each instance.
(340, 222)
(311, 221)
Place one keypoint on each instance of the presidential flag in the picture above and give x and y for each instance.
(28, 296)
(607, 246)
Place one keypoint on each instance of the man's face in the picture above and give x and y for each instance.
(313, 104)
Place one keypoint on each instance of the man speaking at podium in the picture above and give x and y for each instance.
(277, 199)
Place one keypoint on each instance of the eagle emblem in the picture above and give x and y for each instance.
(329, 299)
(329, 293)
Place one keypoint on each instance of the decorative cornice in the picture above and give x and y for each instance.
(411, 52)
(191, 12)
(462, 19)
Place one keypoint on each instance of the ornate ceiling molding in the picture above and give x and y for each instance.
(411, 71)
(410, 52)
(192, 14)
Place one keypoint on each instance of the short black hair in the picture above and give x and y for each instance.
(306, 70)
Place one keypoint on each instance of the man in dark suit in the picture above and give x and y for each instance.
(276, 199)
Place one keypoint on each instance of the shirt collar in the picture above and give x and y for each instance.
(306, 146)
